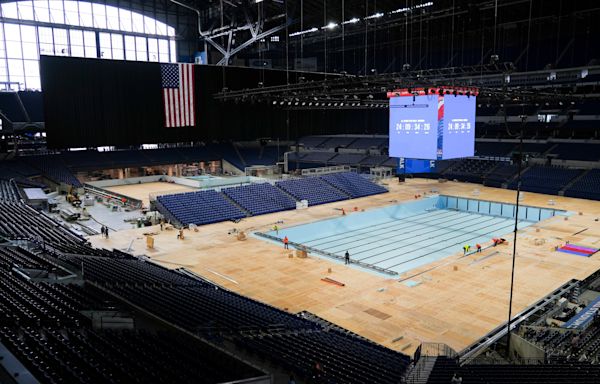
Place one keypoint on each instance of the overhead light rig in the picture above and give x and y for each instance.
(493, 83)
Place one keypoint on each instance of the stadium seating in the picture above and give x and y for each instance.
(470, 170)
(549, 180)
(344, 359)
(260, 199)
(204, 207)
(368, 143)
(373, 161)
(318, 157)
(587, 187)
(494, 149)
(43, 326)
(226, 151)
(353, 184)
(312, 141)
(576, 373)
(500, 175)
(312, 189)
(19, 221)
(347, 159)
(577, 151)
(337, 141)
(58, 172)
(109, 270)
(8, 191)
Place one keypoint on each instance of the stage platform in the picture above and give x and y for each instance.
(453, 300)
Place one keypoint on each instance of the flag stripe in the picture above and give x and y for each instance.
(180, 100)
(191, 90)
(185, 96)
(172, 106)
(166, 108)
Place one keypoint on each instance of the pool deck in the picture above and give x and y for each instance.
(456, 303)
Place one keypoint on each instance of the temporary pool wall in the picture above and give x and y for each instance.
(406, 209)
(494, 208)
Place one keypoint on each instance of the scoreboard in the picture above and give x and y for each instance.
(432, 126)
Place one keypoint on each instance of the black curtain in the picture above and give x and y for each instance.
(92, 102)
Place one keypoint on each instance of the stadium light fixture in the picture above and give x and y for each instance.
(314, 29)
(330, 25)
(353, 20)
(374, 16)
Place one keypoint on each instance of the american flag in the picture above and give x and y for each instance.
(178, 94)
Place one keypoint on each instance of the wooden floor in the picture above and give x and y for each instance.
(456, 303)
(142, 191)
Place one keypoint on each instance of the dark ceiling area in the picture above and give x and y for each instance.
(383, 36)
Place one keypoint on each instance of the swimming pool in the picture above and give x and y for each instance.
(401, 237)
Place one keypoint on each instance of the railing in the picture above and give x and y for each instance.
(472, 351)
(325, 170)
(135, 203)
(436, 349)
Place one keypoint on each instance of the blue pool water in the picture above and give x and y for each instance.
(402, 237)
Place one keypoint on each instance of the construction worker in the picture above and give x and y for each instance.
(285, 243)
(478, 246)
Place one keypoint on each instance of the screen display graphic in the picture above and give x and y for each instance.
(432, 127)
(459, 127)
(413, 126)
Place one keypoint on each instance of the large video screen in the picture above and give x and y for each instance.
(412, 166)
(431, 127)
(413, 126)
(459, 127)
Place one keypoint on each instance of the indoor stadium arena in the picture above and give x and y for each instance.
(299, 192)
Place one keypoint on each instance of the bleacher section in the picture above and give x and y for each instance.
(318, 157)
(353, 184)
(43, 326)
(8, 192)
(373, 161)
(344, 358)
(207, 207)
(577, 151)
(260, 199)
(369, 143)
(313, 189)
(126, 271)
(587, 187)
(204, 207)
(337, 141)
(265, 155)
(19, 221)
(58, 172)
(347, 159)
(470, 170)
(494, 149)
(500, 175)
(576, 373)
(312, 141)
(549, 180)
